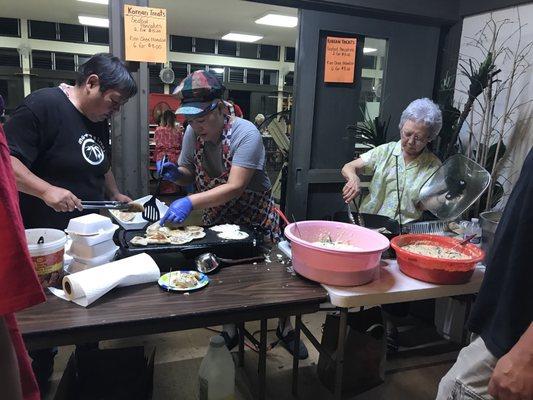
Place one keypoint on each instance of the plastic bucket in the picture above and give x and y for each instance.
(47, 257)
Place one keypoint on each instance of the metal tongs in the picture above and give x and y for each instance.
(105, 204)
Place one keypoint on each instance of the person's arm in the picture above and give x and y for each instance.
(350, 172)
(58, 198)
(112, 188)
(9, 377)
(238, 180)
(512, 377)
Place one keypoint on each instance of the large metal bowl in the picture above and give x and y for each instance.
(436, 270)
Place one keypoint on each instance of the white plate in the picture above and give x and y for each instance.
(138, 222)
(164, 282)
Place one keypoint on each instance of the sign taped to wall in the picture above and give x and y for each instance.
(339, 64)
(145, 34)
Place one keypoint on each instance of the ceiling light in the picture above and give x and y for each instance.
(93, 21)
(95, 1)
(285, 21)
(367, 50)
(241, 37)
(217, 70)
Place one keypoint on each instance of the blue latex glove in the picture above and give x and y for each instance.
(168, 170)
(178, 211)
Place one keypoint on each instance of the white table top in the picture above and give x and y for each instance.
(395, 287)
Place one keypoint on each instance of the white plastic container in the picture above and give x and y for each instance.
(88, 225)
(93, 239)
(96, 261)
(47, 257)
(476, 229)
(80, 250)
(216, 376)
(76, 266)
(138, 222)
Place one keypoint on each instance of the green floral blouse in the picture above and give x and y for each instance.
(383, 196)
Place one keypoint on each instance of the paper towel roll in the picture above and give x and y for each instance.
(85, 287)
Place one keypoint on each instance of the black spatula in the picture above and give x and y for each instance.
(150, 209)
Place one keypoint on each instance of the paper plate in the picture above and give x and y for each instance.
(164, 282)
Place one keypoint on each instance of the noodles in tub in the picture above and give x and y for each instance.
(435, 251)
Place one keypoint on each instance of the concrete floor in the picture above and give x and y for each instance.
(413, 373)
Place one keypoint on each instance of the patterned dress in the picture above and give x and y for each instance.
(168, 140)
(251, 208)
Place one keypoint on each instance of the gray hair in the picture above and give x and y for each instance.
(423, 111)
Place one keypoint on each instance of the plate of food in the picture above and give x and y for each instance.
(183, 281)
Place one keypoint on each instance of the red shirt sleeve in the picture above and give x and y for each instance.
(19, 286)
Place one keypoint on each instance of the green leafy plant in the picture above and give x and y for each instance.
(371, 132)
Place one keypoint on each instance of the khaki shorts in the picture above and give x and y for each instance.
(468, 379)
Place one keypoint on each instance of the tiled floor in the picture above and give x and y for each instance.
(411, 374)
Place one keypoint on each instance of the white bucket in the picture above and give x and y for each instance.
(47, 257)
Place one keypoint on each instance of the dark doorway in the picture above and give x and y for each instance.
(242, 99)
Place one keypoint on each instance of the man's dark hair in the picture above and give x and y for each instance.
(111, 71)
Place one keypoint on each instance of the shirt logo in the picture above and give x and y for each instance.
(91, 150)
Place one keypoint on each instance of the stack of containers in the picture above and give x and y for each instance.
(92, 241)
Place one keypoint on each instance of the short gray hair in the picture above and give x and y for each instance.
(426, 112)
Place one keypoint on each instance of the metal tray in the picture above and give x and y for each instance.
(224, 248)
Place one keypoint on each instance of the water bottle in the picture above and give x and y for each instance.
(475, 228)
(216, 377)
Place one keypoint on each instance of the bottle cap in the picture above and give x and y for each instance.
(217, 341)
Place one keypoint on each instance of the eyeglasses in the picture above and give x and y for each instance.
(416, 138)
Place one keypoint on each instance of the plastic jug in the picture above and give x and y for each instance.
(216, 377)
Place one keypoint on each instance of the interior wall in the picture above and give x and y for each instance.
(522, 89)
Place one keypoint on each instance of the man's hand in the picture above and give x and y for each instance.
(122, 198)
(512, 378)
(178, 211)
(61, 200)
(351, 189)
(168, 170)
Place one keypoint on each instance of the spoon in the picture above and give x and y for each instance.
(463, 242)
(208, 262)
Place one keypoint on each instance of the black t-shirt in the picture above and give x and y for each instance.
(504, 307)
(61, 146)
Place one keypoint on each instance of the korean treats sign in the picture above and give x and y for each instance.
(340, 60)
(145, 34)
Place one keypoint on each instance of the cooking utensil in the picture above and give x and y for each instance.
(454, 187)
(360, 219)
(151, 211)
(350, 215)
(296, 226)
(111, 205)
(208, 262)
(463, 242)
(443, 271)
(427, 227)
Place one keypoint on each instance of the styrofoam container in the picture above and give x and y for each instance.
(335, 266)
(80, 250)
(102, 259)
(94, 239)
(76, 266)
(90, 224)
(138, 222)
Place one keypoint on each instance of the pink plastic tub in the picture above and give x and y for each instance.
(332, 266)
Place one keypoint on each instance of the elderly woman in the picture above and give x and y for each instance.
(400, 168)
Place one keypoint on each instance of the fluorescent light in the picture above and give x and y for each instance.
(93, 21)
(369, 50)
(285, 21)
(217, 70)
(241, 37)
(95, 1)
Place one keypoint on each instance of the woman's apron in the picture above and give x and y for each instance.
(251, 208)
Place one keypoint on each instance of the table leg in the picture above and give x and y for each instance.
(295, 359)
(339, 356)
(241, 344)
(262, 359)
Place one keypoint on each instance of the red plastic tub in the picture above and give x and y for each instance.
(436, 270)
(332, 266)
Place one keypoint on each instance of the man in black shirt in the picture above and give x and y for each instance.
(59, 143)
(498, 363)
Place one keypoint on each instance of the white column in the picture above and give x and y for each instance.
(25, 50)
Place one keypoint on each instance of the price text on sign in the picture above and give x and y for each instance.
(340, 60)
(145, 34)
